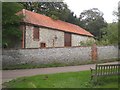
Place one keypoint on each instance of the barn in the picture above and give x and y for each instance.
(40, 31)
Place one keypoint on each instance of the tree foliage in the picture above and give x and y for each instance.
(119, 24)
(73, 19)
(92, 20)
(117, 15)
(58, 10)
(111, 33)
(11, 33)
(55, 10)
(10, 24)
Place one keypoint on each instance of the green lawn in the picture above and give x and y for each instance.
(62, 80)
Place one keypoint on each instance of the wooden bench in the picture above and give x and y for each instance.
(104, 70)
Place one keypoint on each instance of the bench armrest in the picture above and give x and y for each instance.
(92, 70)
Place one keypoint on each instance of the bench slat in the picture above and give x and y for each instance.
(105, 70)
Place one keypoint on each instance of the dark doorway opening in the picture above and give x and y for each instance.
(67, 39)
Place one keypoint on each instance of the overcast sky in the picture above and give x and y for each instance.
(106, 6)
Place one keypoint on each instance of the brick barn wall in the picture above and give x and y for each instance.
(47, 36)
(52, 38)
(29, 42)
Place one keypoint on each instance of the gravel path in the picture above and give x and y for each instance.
(8, 75)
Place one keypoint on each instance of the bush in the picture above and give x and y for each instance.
(91, 42)
(87, 43)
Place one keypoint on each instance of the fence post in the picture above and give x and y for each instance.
(94, 52)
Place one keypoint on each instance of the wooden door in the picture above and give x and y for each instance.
(67, 39)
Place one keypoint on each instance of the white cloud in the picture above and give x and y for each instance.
(106, 6)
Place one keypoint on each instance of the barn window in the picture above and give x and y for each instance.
(36, 33)
(42, 45)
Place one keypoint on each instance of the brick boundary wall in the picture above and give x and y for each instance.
(59, 55)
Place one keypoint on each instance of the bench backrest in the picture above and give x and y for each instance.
(111, 69)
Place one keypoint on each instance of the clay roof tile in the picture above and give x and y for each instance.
(42, 20)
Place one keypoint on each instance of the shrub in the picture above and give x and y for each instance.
(87, 43)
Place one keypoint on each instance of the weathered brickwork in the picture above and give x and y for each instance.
(52, 38)
(29, 42)
(58, 55)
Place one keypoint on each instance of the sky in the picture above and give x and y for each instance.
(106, 6)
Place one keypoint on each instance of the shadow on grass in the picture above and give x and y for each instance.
(107, 82)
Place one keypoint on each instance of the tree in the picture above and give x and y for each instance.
(10, 24)
(119, 23)
(73, 19)
(111, 33)
(92, 20)
(117, 15)
(32, 6)
(55, 10)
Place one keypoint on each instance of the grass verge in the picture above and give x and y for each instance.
(62, 80)
(54, 64)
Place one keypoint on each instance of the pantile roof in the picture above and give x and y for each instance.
(42, 20)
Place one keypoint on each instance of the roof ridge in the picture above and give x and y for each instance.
(37, 13)
(50, 17)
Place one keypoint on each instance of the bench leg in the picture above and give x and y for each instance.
(91, 77)
(94, 80)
